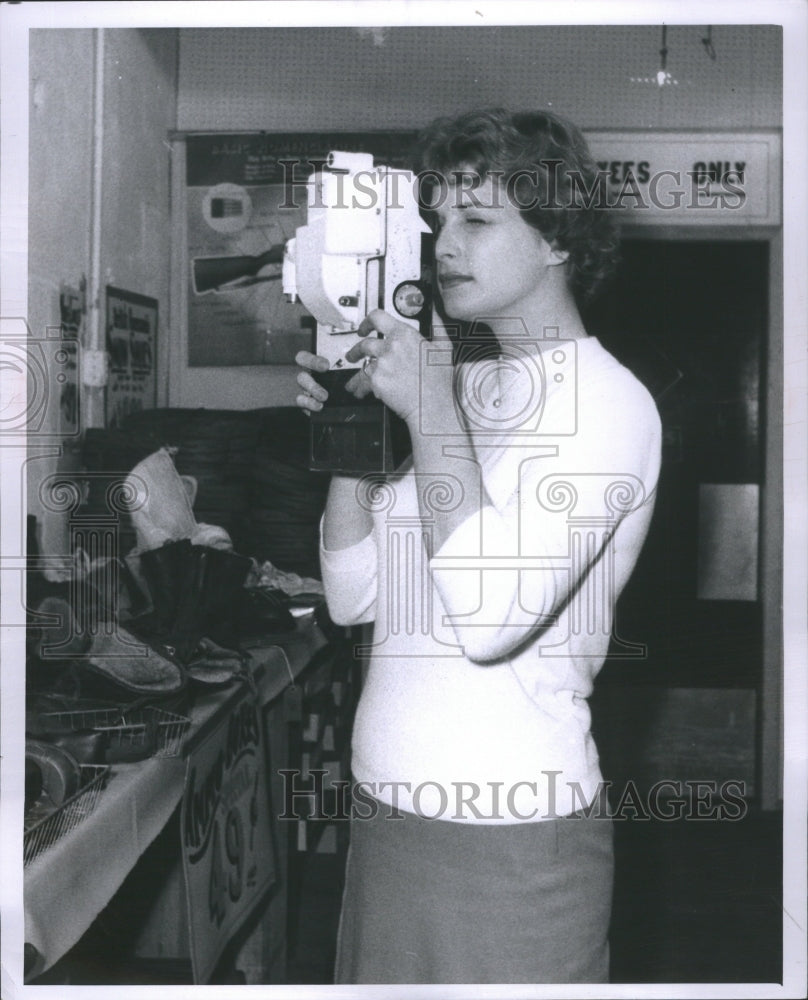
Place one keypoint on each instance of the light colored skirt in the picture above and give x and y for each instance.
(431, 901)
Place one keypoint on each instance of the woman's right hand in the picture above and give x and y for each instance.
(314, 395)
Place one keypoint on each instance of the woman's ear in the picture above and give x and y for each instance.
(558, 256)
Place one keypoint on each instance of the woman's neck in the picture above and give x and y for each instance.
(555, 318)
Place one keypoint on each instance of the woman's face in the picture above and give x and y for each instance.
(490, 263)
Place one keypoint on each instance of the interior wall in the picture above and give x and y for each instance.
(140, 88)
(318, 78)
(140, 110)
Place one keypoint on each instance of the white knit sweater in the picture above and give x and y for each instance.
(474, 708)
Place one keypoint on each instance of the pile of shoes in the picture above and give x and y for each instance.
(212, 495)
(82, 659)
(117, 630)
(78, 641)
(194, 578)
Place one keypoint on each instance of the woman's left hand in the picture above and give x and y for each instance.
(396, 367)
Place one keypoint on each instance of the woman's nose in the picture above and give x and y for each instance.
(445, 244)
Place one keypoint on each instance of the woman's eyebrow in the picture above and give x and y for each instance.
(454, 202)
(480, 206)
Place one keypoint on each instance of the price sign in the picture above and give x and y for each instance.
(227, 846)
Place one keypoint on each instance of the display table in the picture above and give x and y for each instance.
(68, 885)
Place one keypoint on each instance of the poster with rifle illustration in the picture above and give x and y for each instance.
(245, 197)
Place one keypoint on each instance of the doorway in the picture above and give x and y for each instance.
(691, 319)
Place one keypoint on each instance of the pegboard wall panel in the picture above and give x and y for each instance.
(599, 76)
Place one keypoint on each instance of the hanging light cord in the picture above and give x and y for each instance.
(707, 42)
(663, 77)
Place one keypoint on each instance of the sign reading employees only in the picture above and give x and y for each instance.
(227, 851)
(692, 178)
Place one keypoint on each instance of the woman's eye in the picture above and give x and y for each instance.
(473, 220)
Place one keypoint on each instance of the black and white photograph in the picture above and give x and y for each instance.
(403, 547)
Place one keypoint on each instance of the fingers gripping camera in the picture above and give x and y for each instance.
(529, 387)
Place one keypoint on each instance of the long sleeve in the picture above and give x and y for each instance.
(350, 581)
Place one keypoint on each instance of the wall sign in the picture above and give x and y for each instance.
(692, 178)
(131, 325)
(227, 848)
(71, 321)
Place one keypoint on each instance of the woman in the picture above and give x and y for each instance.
(490, 564)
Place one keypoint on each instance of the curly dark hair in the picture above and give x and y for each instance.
(544, 164)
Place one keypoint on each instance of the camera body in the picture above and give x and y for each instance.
(364, 247)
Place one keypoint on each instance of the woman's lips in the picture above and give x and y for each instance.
(450, 280)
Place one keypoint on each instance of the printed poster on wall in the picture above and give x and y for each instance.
(71, 320)
(245, 197)
(227, 849)
(131, 325)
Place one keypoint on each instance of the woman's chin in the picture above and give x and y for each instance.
(455, 308)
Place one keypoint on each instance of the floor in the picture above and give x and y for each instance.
(695, 901)
(698, 901)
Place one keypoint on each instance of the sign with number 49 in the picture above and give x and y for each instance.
(227, 851)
